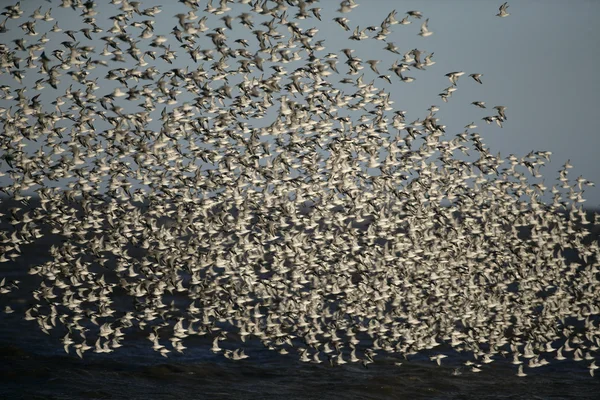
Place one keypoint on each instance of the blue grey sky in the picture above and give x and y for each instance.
(540, 62)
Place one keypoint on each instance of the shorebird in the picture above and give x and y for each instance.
(438, 358)
(390, 46)
(476, 77)
(502, 10)
(501, 110)
(343, 22)
(424, 31)
(373, 65)
(215, 345)
(453, 76)
(592, 367)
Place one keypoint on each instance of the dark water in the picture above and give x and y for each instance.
(32, 367)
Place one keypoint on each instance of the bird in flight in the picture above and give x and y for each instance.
(503, 12)
(453, 76)
(424, 31)
(477, 77)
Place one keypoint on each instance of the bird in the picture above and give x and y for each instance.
(415, 14)
(501, 110)
(390, 46)
(343, 22)
(476, 77)
(438, 358)
(592, 367)
(424, 31)
(453, 76)
(215, 346)
(502, 10)
(373, 65)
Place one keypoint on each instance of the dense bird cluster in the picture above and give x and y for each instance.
(240, 198)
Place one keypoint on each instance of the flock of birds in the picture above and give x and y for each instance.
(240, 199)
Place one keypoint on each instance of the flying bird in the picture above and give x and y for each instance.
(453, 76)
(424, 31)
(503, 12)
(476, 77)
(343, 22)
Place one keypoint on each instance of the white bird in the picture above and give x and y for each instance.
(215, 346)
(453, 76)
(592, 367)
(424, 31)
(438, 358)
(503, 12)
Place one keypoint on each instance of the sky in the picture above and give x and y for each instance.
(540, 62)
